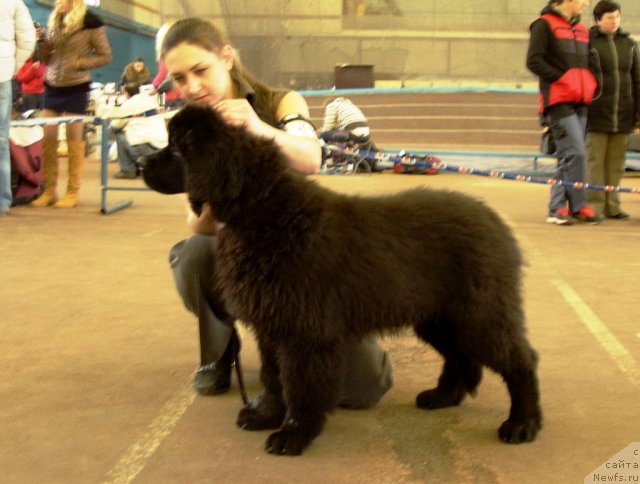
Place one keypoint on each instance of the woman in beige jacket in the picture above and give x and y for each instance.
(76, 43)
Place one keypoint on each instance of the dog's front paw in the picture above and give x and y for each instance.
(297, 432)
(263, 413)
(287, 442)
(517, 432)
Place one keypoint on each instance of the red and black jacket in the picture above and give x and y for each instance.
(559, 55)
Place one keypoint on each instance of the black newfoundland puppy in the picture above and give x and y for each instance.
(309, 269)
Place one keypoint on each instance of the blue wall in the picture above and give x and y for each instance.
(126, 43)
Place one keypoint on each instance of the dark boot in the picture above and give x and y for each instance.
(215, 378)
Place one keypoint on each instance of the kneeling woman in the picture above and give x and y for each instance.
(205, 68)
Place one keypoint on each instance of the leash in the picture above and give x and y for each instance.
(239, 373)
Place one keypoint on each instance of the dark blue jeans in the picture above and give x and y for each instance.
(128, 154)
(569, 124)
(5, 158)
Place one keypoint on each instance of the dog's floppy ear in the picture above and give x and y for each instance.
(226, 174)
(209, 146)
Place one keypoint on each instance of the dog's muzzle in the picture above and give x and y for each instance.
(163, 171)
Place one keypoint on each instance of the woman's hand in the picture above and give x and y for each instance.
(205, 224)
(303, 153)
(238, 112)
(41, 33)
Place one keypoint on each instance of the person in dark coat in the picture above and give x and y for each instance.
(559, 55)
(615, 110)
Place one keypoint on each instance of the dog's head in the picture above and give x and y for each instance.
(211, 160)
(162, 171)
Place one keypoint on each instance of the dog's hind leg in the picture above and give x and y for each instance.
(267, 411)
(525, 416)
(460, 375)
(312, 378)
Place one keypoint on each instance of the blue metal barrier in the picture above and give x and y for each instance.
(104, 154)
(395, 155)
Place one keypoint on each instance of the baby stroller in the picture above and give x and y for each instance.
(25, 148)
(341, 153)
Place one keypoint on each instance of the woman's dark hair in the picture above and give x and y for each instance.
(604, 6)
(202, 33)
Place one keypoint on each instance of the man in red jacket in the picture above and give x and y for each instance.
(31, 79)
(559, 55)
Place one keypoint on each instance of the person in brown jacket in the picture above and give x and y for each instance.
(135, 72)
(76, 43)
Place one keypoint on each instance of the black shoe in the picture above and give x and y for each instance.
(215, 378)
(128, 175)
(620, 216)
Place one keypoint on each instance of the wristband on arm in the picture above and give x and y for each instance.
(297, 125)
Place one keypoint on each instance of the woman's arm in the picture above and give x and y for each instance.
(204, 224)
(43, 47)
(537, 53)
(303, 152)
(101, 48)
(161, 74)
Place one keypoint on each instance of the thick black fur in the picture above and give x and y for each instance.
(310, 269)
